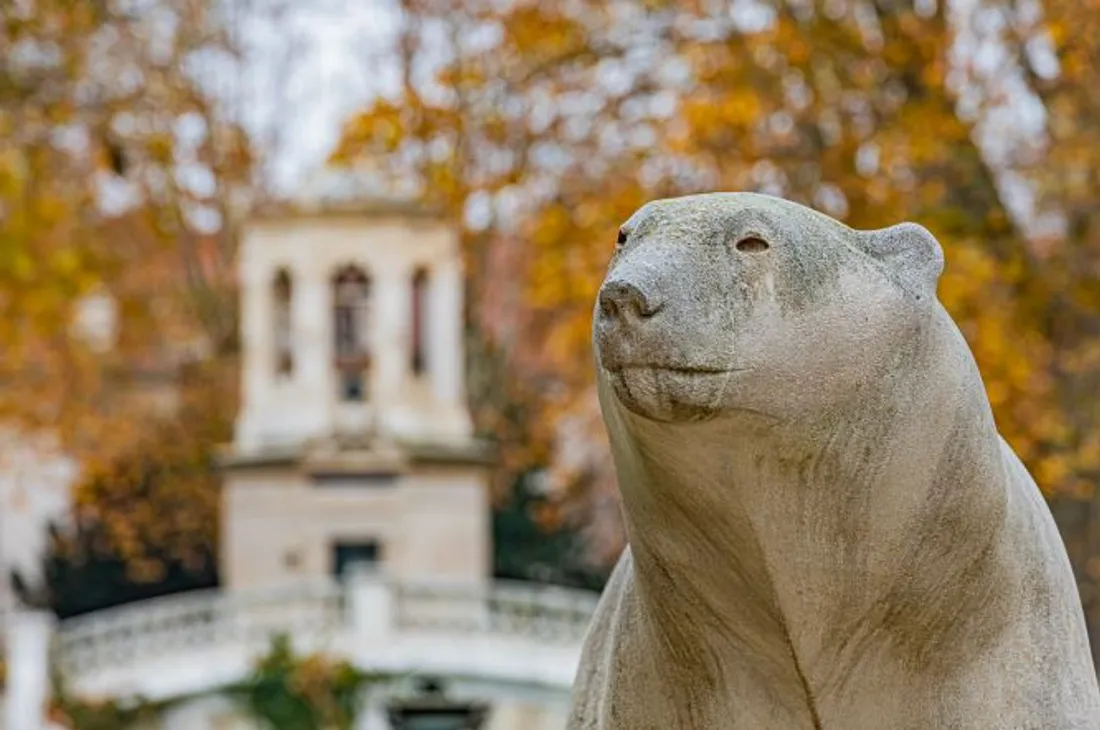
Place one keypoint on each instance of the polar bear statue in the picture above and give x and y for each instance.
(825, 528)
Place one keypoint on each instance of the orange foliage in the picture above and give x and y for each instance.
(93, 99)
(156, 491)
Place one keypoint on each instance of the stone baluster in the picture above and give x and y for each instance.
(28, 669)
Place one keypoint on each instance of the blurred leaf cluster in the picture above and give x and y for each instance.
(145, 519)
(286, 691)
(531, 542)
(85, 713)
(292, 692)
(118, 175)
(122, 174)
(156, 497)
(102, 715)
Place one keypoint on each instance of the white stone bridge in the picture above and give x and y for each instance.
(515, 638)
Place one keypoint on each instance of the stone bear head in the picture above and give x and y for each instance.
(737, 302)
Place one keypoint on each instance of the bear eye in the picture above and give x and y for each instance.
(752, 244)
(621, 238)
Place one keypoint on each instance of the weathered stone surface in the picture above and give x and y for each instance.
(826, 530)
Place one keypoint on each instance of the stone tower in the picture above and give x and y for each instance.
(354, 441)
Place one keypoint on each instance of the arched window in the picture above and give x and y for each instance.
(351, 327)
(419, 354)
(282, 292)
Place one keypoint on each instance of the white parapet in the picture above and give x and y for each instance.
(526, 638)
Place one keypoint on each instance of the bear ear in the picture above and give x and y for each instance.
(911, 254)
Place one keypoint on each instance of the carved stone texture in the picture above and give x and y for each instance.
(826, 529)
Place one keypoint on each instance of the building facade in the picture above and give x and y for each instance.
(354, 441)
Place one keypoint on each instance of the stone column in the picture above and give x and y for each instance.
(315, 389)
(255, 359)
(371, 605)
(28, 668)
(312, 314)
(372, 716)
(389, 344)
(445, 356)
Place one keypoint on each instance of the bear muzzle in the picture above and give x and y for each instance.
(627, 301)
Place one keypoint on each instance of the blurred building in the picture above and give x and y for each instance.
(353, 441)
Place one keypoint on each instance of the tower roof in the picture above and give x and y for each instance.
(361, 191)
(361, 208)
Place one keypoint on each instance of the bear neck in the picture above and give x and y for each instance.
(752, 537)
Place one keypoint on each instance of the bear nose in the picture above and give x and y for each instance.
(621, 298)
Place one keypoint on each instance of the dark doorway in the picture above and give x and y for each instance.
(346, 554)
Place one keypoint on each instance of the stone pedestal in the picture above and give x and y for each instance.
(370, 604)
(28, 670)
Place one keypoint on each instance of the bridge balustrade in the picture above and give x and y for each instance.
(501, 632)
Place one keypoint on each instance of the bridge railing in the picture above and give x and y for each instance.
(318, 616)
(544, 613)
(166, 626)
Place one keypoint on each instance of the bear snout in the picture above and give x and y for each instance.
(628, 329)
(620, 299)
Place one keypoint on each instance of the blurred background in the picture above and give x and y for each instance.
(262, 259)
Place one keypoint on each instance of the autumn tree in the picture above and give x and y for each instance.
(124, 170)
(115, 171)
(1052, 51)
